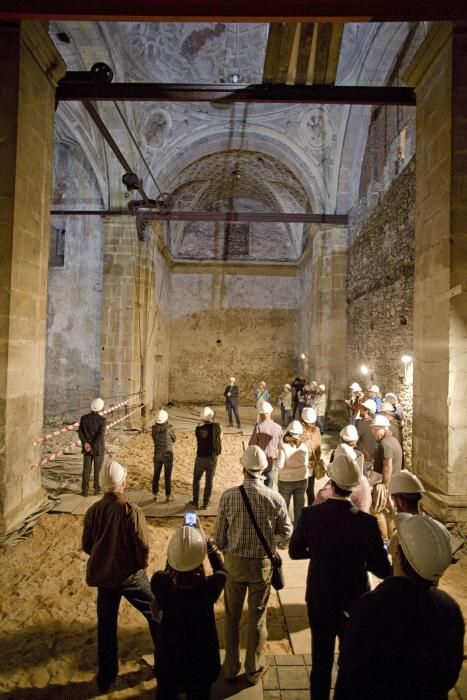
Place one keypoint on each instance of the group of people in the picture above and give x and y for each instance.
(406, 622)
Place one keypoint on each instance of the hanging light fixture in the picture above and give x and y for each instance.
(235, 76)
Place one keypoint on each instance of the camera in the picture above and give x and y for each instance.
(190, 519)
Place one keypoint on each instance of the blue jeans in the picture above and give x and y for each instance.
(320, 423)
(285, 416)
(165, 460)
(208, 465)
(295, 489)
(137, 591)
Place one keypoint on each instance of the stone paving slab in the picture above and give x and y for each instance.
(293, 677)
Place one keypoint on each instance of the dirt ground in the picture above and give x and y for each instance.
(48, 614)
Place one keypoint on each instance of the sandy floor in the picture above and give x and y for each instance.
(48, 615)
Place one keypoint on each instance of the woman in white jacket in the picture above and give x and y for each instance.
(292, 464)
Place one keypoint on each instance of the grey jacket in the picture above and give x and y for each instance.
(163, 436)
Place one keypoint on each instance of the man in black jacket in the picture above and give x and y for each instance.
(231, 393)
(343, 543)
(91, 432)
(405, 639)
(208, 441)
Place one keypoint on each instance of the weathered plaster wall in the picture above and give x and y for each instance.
(250, 311)
(74, 301)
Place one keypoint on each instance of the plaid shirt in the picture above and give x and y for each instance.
(234, 532)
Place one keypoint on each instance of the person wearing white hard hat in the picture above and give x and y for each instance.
(343, 543)
(293, 471)
(361, 495)
(354, 401)
(163, 436)
(249, 567)
(388, 410)
(319, 405)
(366, 442)
(268, 435)
(115, 535)
(285, 403)
(373, 393)
(297, 386)
(91, 432)
(388, 461)
(405, 639)
(231, 395)
(261, 395)
(398, 409)
(406, 491)
(311, 438)
(187, 659)
(208, 448)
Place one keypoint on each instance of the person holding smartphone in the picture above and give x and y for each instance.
(188, 659)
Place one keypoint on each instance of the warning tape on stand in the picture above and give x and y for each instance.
(72, 445)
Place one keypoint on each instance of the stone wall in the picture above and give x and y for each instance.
(380, 288)
(231, 321)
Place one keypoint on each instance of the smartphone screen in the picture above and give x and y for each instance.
(190, 519)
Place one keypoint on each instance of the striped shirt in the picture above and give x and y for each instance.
(234, 531)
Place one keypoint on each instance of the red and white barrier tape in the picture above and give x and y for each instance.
(72, 445)
(73, 426)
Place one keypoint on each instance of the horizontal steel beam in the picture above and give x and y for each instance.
(228, 216)
(234, 10)
(70, 90)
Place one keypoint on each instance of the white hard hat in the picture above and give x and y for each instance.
(349, 433)
(162, 416)
(370, 405)
(97, 405)
(111, 475)
(405, 482)
(345, 449)
(426, 545)
(380, 422)
(206, 413)
(374, 388)
(266, 408)
(345, 472)
(322, 387)
(308, 415)
(392, 398)
(355, 386)
(387, 407)
(287, 386)
(187, 549)
(295, 427)
(231, 379)
(254, 459)
(313, 381)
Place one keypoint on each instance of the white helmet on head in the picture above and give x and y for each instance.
(206, 414)
(322, 387)
(380, 422)
(162, 417)
(374, 388)
(392, 398)
(387, 407)
(187, 549)
(370, 405)
(262, 383)
(232, 379)
(97, 405)
(349, 433)
(254, 459)
(287, 386)
(111, 475)
(295, 428)
(308, 415)
(345, 472)
(426, 545)
(405, 482)
(266, 408)
(355, 386)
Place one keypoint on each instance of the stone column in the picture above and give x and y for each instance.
(438, 72)
(325, 314)
(30, 67)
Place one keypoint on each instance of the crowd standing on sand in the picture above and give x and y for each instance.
(365, 518)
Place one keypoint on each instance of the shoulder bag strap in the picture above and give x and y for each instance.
(246, 500)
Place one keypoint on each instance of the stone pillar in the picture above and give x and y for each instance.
(30, 67)
(438, 72)
(326, 311)
(134, 316)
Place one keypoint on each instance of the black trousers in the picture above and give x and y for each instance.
(325, 629)
(137, 591)
(88, 461)
(165, 460)
(232, 406)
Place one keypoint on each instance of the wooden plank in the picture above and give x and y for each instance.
(334, 52)
(304, 49)
(322, 53)
(272, 52)
(285, 52)
(292, 71)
